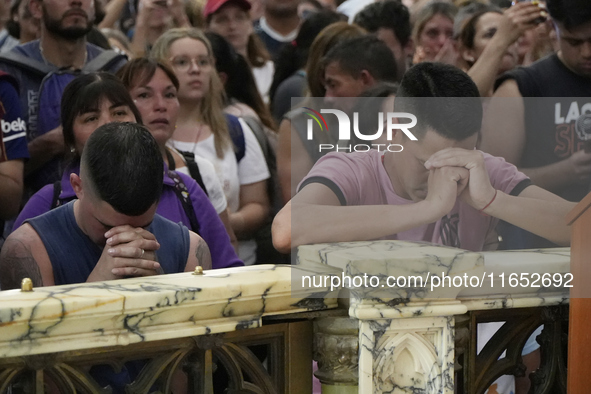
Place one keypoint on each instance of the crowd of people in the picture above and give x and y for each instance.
(144, 137)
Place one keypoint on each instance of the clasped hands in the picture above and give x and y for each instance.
(129, 251)
(456, 172)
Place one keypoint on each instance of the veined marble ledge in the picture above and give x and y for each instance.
(120, 312)
(479, 276)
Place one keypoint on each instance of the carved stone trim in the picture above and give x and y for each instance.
(336, 349)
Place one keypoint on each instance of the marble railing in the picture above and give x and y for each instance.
(49, 337)
(417, 338)
(421, 338)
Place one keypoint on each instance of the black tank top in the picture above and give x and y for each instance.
(554, 97)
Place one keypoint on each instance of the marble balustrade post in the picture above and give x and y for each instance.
(406, 333)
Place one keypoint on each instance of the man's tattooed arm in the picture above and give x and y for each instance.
(202, 254)
(17, 263)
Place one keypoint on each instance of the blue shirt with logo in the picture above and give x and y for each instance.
(14, 129)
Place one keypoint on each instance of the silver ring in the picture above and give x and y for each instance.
(143, 251)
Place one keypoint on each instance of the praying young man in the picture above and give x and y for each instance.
(437, 189)
(112, 230)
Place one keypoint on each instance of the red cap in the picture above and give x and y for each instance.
(212, 6)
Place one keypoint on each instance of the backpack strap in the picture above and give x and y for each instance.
(189, 158)
(171, 163)
(9, 78)
(259, 133)
(182, 194)
(194, 169)
(103, 61)
(30, 64)
(268, 152)
(55, 199)
(237, 136)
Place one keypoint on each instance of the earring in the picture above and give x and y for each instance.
(72, 150)
(471, 58)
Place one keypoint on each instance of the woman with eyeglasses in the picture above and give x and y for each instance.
(226, 141)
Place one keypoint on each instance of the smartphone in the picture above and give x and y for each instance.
(537, 21)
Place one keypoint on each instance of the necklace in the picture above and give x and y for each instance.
(197, 137)
(72, 66)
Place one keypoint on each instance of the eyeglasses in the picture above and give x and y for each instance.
(183, 63)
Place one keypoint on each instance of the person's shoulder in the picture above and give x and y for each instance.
(162, 224)
(24, 238)
(113, 61)
(10, 60)
(192, 186)
(268, 67)
(354, 158)
(93, 50)
(21, 242)
(527, 76)
(499, 170)
(170, 184)
(294, 113)
(345, 165)
(38, 204)
(491, 161)
(25, 255)
(29, 49)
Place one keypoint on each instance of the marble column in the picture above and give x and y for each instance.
(336, 349)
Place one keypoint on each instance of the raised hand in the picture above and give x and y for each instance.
(519, 18)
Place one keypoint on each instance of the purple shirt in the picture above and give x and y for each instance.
(212, 229)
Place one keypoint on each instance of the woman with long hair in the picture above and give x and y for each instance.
(204, 129)
(92, 100)
(433, 33)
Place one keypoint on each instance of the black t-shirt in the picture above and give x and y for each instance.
(554, 97)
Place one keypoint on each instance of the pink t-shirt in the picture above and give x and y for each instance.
(363, 180)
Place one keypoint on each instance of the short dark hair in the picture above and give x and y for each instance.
(363, 53)
(456, 111)
(124, 166)
(569, 13)
(85, 94)
(389, 14)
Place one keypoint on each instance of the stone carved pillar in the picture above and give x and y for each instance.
(413, 355)
(336, 349)
(405, 309)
